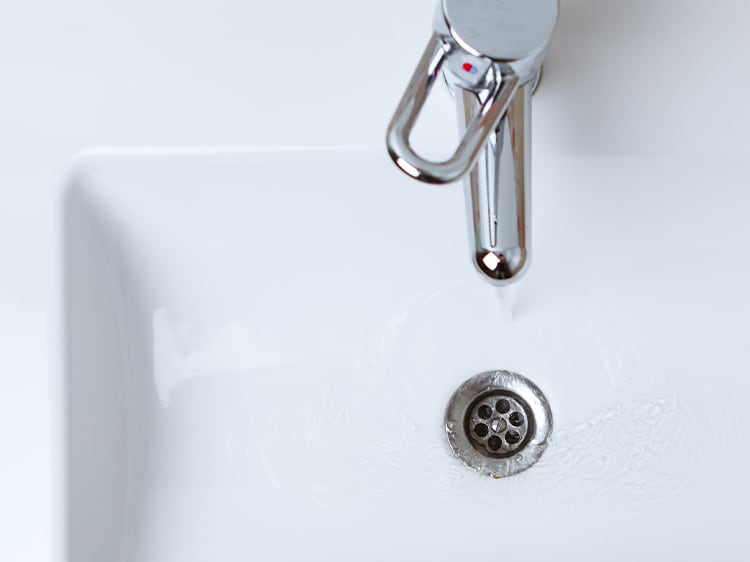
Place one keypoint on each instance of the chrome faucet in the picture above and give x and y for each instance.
(490, 53)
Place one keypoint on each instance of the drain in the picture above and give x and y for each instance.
(498, 423)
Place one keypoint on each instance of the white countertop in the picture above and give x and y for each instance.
(638, 78)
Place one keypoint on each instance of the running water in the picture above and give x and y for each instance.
(505, 301)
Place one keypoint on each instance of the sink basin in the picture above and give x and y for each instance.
(259, 347)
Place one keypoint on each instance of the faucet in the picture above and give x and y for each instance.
(490, 54)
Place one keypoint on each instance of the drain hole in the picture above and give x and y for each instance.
(512, 437)
(498, 423)
(502, 406)
(481, 430)
(494, 442)
(484, 412)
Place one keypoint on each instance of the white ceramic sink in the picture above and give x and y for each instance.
(259, 348)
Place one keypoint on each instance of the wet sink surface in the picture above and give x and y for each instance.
(259, 348)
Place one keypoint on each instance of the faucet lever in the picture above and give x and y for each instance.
(490, 53)
(478, 129)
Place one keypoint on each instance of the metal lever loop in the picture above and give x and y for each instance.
(477, 132)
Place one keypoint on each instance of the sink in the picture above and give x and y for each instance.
(259, 347)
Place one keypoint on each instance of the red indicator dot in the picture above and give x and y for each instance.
(468, 67)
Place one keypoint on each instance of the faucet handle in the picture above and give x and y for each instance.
(481, 74)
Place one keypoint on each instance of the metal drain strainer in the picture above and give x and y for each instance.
(498, 423)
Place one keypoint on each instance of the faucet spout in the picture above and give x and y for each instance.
(498, 190)
(490, 55)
